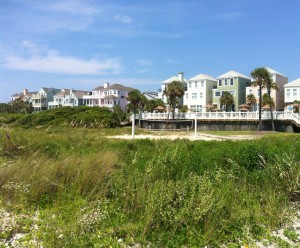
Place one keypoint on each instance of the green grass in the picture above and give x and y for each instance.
(87, 190)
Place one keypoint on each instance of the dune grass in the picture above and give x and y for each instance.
(84, 190)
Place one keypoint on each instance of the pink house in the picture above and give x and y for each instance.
(108, 96)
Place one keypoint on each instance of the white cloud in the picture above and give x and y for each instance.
(55, 63)
(144, 62)
(120, 18)
(144, 66)
(73, 7)
(172, 61)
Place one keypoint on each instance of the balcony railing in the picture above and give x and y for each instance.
(266, 115)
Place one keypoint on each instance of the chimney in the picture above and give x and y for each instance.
(180, 76)
(25, 92)
(106, 85)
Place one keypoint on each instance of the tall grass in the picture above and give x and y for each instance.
(167, 194)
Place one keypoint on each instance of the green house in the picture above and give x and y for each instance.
(233, 82)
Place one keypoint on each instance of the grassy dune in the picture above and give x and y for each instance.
(80, 189)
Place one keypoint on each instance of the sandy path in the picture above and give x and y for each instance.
(200, 136)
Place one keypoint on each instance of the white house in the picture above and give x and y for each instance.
(277, 95)
(25, 96)
(292, 93)
(199, 92)
(67, 97)
(108, 96)
(164, 84)
(41, 99)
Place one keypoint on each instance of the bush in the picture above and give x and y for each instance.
(83, 116)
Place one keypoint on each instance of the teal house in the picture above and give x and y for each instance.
(235, 83)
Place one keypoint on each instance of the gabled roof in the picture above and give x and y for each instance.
(79, 93)
(271, 71)
(293, 83)
(99, 88)
(200, 77)
(66, 92)
(150, 95)
(171, 79)
(232, 74)
(118, 87)
(17, 94)
(47, 90)
(63, 92)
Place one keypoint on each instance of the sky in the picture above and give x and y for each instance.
(81, 44)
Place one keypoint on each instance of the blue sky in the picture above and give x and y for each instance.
(81, 44)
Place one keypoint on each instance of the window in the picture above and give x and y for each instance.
(250, 91)
(232, 92)
(190, 84)
(186, 95)
(119, 103)
(196, 85)
(201, 95)
(194, 95)
(202, 83)
(226, 82)
(288, 92)
(217, 93)
(196, 108)
(115, 92)
(220, 82)
(122, 96)
(294, 92)
(231, 82)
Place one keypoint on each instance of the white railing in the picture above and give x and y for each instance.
(266, 115)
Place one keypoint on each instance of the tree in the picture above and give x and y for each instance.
(266, 101)
(296, 107)
(135, 98)
(184, 109)
(226, 100)
(6, 108)
(174, 91)
(251, 99)
(119, 115)
(259, 75)
(152, 104)
(269, 84)
(20, 106)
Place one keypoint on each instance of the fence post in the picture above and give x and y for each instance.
(132, 128)
(195, 125)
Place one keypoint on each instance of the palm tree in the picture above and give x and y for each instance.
(266, 101)
(173, 92)
(269, 84)
(296, 107)
(135, 98)
(251, 99)
(259, 75)
(226, 100)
